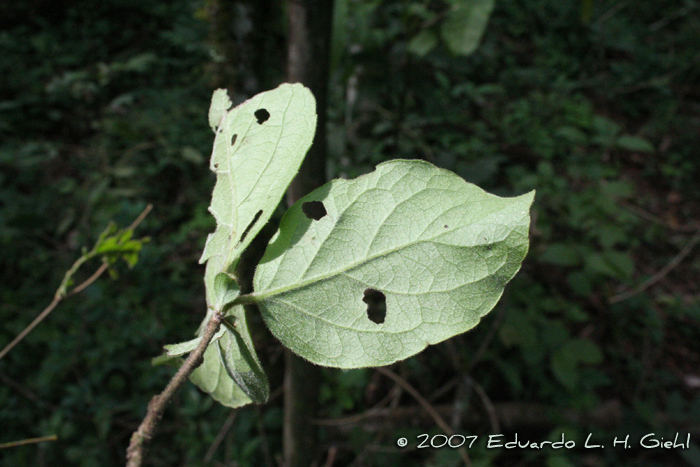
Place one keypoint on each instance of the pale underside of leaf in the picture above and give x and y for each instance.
(211, 377)
(440, 250)
(258, 149)
(231, 372)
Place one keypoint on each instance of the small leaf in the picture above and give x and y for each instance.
(635, 144)
(465, 24)
(566, 360)
(586, 351)
(240, 360)
(571, 134)
(564, 367)
(561, 255)
(614, 264)
(211, 377)
(439, 250)
(226, 290)
(231, 372)
(175, 350)
(114, 244)
(183, 348)
(258, 149)
(423, 42)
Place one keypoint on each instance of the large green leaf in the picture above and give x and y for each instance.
(258, 149)
(439, 249)
(465, 24)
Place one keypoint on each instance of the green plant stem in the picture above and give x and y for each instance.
(247, 299)
(156, 407)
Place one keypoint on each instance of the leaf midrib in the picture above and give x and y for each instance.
(258, 297)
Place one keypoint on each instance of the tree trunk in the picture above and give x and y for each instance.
(308, 56)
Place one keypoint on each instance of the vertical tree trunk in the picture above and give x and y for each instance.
(221, 38)
(308, 57)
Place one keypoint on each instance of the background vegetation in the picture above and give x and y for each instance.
(595, 103)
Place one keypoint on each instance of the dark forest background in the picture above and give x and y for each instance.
(593, 103)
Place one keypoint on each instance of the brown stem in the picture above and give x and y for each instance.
(141, 437)
(61, 293)
(659, 274)
(427, 406)
(14, 444)
(308, 54)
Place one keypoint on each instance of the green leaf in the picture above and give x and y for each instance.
(240, 360)
(437, 249)
(561, 255)
(258, 149)
(465, 24)
(614, 264)
(176, 350)
(226, 290)
(634, 144)
(567, 359)
(423, 42)
(211, 377)
(231, 372)
(230, 352)
(114, 244)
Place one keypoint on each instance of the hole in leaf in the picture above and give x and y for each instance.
(314, 210)
(233, 139)
(262, 115)
(250, 226)
(376, 305)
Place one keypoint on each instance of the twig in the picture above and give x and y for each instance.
(655, 219)
(144, 433)
(478, 355)
(611, 12)
(219, 437)
(330, 460)
(660, 274)
(512, 416)
(13, 444)
(426, 405)
(486, 401)
(61, 291)
(373, 411)
(676, 14)
(141, 217)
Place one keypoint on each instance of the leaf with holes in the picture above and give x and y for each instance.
(258, 149)
(370, 271)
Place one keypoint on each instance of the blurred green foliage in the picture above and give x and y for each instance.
(593, 103)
